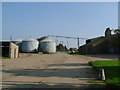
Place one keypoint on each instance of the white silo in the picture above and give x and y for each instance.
(18, 41)
(30, 45)
(48, 46)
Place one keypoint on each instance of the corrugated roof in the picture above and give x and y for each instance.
(95, 41)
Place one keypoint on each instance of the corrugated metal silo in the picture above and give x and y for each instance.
(30, 45)
(18, 41)
(48, 46)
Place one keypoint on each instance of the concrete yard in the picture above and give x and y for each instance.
(59, 70)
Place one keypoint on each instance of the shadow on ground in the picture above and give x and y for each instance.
(70, 64)
(85, 73)
(58, 86)
(103, 56)
(56, 72)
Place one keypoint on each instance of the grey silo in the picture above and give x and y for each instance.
(48, 46)
(30, 45)
(18, 41)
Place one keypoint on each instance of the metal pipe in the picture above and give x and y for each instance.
(69, 38)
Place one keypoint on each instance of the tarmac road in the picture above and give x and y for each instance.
(59, 70)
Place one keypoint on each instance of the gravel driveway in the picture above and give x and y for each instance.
(59, 70)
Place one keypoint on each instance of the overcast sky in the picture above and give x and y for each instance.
(74, 19)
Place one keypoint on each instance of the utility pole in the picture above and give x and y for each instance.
(10, 38)
(56, 42)
(67, 44)
(78, 41)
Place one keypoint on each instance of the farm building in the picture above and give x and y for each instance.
(99, 45)
(96, 46)
(18, 42)
(9, 50)
(61, 47)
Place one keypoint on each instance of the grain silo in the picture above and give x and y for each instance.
(18, 41)
(30, 45)
(48, 46)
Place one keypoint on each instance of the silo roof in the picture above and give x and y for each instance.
(30, 39)
(47, 40)
(17, 39)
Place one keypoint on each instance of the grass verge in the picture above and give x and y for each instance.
(112, 71)
(4, 57)
(64, 51)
